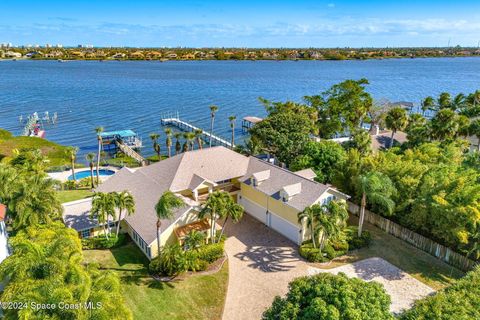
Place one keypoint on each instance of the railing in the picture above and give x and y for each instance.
(418, 241)
(131, 153)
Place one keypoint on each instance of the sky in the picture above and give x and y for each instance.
(245, 23)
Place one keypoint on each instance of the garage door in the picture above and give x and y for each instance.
(285, 228)
(254, 210)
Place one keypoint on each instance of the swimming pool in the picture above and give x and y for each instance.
(86, 173)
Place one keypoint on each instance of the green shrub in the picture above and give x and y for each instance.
(101, 242)
(211, 252)
(311, 254)
(355, 242)
(340, 246)
(170, 262)
(329, 251)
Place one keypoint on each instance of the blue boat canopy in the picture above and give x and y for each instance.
(118, 133)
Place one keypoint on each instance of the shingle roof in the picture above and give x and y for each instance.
(76, 215)
(179, 172)
(280, 178)
(307, 173)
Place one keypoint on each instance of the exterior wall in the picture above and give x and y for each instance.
(168, 235)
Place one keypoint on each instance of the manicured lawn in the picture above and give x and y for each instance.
(72, 195)
(55, 152)
(195, 297)
(418, 264)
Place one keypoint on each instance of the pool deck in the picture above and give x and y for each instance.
(63, 176)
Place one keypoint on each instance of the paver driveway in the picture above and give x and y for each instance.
(261, 264)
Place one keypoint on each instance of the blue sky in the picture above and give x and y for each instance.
(207, 23)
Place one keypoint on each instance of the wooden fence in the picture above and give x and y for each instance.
(423, 243)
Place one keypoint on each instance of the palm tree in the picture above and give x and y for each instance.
(213, 110)
(214, 208)
(233, 211)
(428, 104)
(332, 221)
(198, 136)
(103, 206)
(444, 125)
(444, 100)
(178, 146)
(396, 119)
(156, 146)
(459, 102)
(186, 144)
(8, 182)
(98, 131)
(309, 216)
(168, 141)
(375, 188)
(164, 209)
(190, 136)
(123, 201)
(194, 239)
(34, 201)
(232, 126)
(72, 153)
(474, 130)
(362, 141)
(90, 158)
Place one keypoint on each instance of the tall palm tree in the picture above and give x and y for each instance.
(375, 188)
(428, 104)
(194, 239)
(90, 158)
(164, 209)
(8, 182)
(168, 141)
(214, 208)
(213, 110)
(72, 154)
(309, 216)
(190, 137)
(198, 136)
(156, 146)
(232, 126)
(103, 206)
(123, 201)
(178, 145)
(186, 144)
(98, 131)
(233, 211)
(396, 119)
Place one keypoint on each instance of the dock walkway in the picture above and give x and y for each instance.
(185, 126)
(130, 152)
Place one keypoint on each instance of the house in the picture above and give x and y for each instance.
(270, 194)
(4, 248)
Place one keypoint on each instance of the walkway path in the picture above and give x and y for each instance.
(261, 264)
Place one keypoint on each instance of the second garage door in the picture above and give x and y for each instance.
(284, 227)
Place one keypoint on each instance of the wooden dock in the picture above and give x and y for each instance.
(185, 126)
(131, 153)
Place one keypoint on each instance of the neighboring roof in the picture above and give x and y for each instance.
(402, 104)
(307, 173)
(280, 178)
(3, 211)
(382, 140)
(253, 119)
(121, 133)
(76, 215)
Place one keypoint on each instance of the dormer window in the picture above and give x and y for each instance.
(288, 192)
(258, 177)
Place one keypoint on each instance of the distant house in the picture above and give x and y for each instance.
(171, 55)
(270, 194)
(4, 248)
(12, 54)
(119, 55)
